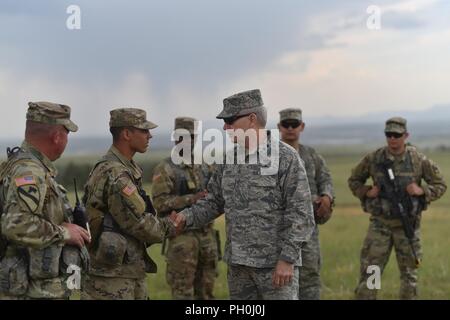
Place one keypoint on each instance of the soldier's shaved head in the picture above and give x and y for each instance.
(35, 130)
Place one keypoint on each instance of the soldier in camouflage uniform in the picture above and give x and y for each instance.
(267, 216)
(410, 168)
(291, 126)
(121, 215)
(39, 242)
(192, 256)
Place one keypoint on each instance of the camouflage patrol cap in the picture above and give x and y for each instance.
(51, 113)
(130, 117)
(187, 123)
(291, 114)
(241, 104)
(396, 124)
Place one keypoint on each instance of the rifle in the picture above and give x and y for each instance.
(400, 204)
(148, 202)
(219, 246)
(79, 212)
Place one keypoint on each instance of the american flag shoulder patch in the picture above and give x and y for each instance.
(156, 177)
(129, 190)
(25, 180)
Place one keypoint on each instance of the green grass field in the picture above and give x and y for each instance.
(341, 240)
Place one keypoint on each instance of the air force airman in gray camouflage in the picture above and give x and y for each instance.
(38, 239)
(410, 168)
(121, 215)
(291, 126)
(267, 217)
(192, 256)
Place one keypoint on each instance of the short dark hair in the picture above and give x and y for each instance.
(116, 131)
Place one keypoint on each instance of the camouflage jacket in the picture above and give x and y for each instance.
(34, 207)
(319, 177)
(267, 217)
(174, 186)
(113, 190)
(410, 167)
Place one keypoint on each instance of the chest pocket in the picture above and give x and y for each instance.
(263, 189)
(406, 173)
(264, 181)
(229, 177)
(187, 181)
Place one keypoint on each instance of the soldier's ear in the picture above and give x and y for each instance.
(253, 118)
(302, 126)
(55, 136)
(406, 135)
(126, 134)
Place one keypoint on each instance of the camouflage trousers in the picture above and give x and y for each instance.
(42, 289)
(104, 288)
(309, 272)
(249, 283)
(192, 265)
(8, 297)
(382, 235)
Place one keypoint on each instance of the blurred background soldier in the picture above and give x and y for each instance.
(395, 201)
(291, 126)
(121, 215)
(38, 238)
(192, 256)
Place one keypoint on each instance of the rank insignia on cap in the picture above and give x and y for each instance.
(23, 181)
(129, 190)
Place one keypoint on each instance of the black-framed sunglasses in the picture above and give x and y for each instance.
(291, 123)
(395, 135)
(231, 120)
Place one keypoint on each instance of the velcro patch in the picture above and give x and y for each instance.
(129, 190)
(25, 180)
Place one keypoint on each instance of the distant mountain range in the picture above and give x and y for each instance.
(438, 113)
(429, 128)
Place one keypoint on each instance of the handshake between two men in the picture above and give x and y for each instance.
(178, 219)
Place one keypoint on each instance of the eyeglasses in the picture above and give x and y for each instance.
(231, 120)
(395, 135)
(290, 123)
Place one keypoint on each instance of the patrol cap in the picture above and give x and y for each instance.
(396, 124)
(51, 113)
(130, 117)
(241, 104)
(291, 114)
(187, 123)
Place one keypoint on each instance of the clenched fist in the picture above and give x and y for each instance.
(414, 190)
(373, 192)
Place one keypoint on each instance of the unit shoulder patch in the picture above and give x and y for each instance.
(30, 195)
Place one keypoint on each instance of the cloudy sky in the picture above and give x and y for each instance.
(182, 57)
